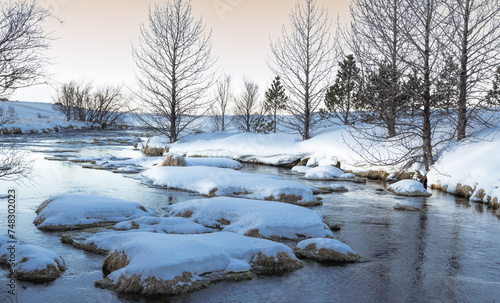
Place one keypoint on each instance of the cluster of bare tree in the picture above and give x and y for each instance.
(422, 76)
(104, 106)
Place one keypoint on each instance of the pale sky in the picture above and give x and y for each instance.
(94, 43)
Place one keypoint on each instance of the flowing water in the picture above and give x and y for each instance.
(447, 252)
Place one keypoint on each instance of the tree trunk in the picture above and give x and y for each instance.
(462, 98)
(426, 131)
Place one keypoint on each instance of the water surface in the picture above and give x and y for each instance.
(447, 252)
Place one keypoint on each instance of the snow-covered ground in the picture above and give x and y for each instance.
(472, 165)
(35, 117)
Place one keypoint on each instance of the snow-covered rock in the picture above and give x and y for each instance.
(338, 188)
(169, 225)
(166, 264)
(254, 218)
(213, 162)
(30, 262)
(347, 176)
(67, 212)
(301, 169)
(213, 181)
(410, 188)
(326, 172)
(326, 250)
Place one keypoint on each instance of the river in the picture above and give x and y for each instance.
(447, 252)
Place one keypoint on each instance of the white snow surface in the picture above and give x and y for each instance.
(270, 218)
(408, 186)
(35, 257)
(227, 182)
(166, 256)
(213, 162)
(168, 225)
(324, 172)
(473, 164)
(332, 244)
(27, 116)
(70, 210)
(301, 169)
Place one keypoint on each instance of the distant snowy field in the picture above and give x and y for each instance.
(35, 117)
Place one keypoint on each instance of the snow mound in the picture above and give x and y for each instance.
(301, 169)
(213, 162)
(172, 225)
(254, 218)
(213, 181)
(80, 211)
(326, 172)
(472, 165)
(166, 264)
(326, 250)
(410, 188)
(32, 263)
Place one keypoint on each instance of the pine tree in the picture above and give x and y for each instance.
(446, 90)
(493, 96)
(412, 91)
(382, 102)
(275, 100)
(343, 97)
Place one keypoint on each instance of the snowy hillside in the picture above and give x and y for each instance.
(32, 117)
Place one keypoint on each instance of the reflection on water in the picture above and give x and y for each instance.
(447, 252)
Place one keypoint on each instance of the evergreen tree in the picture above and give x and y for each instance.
(275, 100)
(343, 97)
(493, 96)
(382, 102)
(412, 92)
(446, 90)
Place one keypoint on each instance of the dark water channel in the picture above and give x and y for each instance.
(447, 252)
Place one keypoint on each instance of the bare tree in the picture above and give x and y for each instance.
(475, 37)
(424, 32)
(15, 164)
(173, 60)
(246, 106)
(221, 103)
(82, 98)
(73, 100)
(65, 99)
(8, 116)
(378, 44)
(304, 60)
(420, 136)
(106, 107)
(22, 44)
